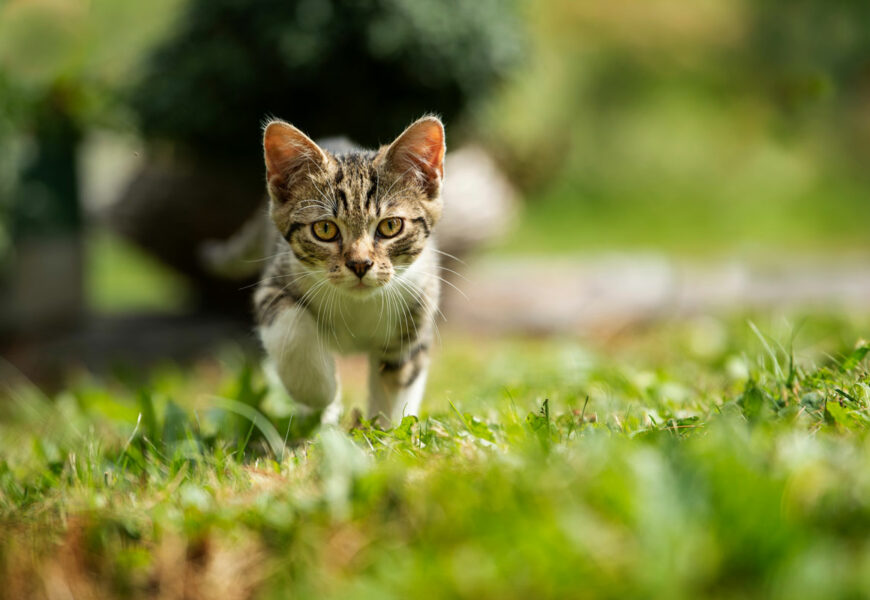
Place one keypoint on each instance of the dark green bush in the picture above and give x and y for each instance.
(333, 67)
(803, 50)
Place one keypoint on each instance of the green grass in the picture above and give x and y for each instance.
(703, 458)
(692, 219)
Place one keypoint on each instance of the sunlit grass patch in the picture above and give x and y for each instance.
(647, 466)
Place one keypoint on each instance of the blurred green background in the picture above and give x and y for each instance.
(705, 127)
(712, 128)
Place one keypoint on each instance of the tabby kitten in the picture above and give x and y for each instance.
(355, 269)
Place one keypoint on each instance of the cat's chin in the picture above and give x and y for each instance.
(360, 289)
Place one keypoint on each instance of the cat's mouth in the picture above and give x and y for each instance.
(363, 287)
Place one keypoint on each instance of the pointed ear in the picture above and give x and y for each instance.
(419, 153)
(287, 151)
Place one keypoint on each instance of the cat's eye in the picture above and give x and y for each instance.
(390, 227)
(325, 231)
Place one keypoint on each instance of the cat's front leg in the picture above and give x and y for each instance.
(304, 364)
(396, 386)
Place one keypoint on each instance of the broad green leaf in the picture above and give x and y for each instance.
(855, 358)
(842, 415)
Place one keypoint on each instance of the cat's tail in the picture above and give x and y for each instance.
(480, 206)
(244, 254)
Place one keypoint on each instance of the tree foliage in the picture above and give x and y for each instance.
(332, 67)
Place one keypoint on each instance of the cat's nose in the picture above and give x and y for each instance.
(360, 267)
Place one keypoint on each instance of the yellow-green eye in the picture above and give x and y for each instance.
(325, 230)
(390, 227)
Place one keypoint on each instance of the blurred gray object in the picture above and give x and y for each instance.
(173, 205)
(42, 276)
(480, 204)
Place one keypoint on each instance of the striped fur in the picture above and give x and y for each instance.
(362, 292)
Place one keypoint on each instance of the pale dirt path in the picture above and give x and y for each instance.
(592, 296)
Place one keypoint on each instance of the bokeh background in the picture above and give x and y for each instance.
(657, 148)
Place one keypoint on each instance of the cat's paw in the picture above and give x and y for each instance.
(331, 414)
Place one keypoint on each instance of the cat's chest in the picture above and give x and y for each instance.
(349, 325)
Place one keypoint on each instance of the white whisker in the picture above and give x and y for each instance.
(448, 255)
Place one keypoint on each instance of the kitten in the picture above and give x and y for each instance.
(355, 269)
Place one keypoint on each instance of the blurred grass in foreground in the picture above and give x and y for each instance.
(702, 459)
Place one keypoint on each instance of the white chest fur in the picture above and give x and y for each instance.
(355, 325)
(350, 324)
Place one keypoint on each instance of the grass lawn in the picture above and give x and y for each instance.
(701, 221)
(705, 458)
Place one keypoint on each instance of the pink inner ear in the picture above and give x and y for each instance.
(434, 146)
(422, 147)
(431, 147)
(285, 148)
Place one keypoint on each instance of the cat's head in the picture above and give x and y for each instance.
(356, 218)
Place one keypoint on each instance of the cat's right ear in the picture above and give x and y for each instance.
(288, 153)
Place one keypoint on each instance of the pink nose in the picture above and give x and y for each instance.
(360, 267)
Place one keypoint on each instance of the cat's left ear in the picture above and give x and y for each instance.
(419, 153)
(288, 152)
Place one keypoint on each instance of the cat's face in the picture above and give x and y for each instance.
(356, 219)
